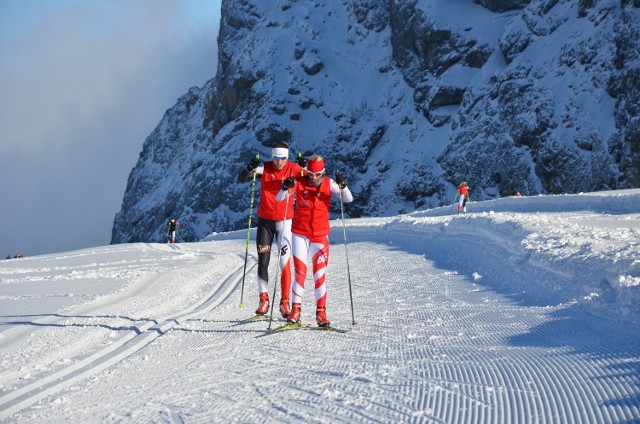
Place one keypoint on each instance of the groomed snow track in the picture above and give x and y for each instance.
(131, 338)
(445, 332)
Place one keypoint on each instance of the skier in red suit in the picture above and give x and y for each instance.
(272, 222)
(311, 229)
(463, 192)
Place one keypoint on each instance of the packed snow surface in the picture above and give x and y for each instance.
(522, 310)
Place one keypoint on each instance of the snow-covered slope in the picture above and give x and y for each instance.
(408, 98)
(523, 310)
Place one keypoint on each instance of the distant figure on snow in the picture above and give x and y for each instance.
(463, 193)
(171, 230)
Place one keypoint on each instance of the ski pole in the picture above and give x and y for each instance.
(246, 252)
(346, 254)
(275, 280)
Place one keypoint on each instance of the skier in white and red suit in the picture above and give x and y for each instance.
(310, 228)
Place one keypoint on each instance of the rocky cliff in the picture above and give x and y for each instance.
(407, 98)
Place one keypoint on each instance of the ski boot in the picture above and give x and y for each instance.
(285, 309)
(294, 317)
(263, 306)
(321, 317)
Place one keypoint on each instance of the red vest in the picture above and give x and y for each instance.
(464, 190)
(312, 209)
(270, 185)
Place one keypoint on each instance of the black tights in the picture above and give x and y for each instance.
(264, 237)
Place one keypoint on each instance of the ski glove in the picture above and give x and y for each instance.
(340, 180)
(253, 164)
(300, 160)
(288, 183)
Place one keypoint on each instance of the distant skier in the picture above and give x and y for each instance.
(311, 229)
(463, 192)
(171, 230)
(272, 221)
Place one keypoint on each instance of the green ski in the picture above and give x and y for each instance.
(328, 328)
(289, 326)
(254, 318)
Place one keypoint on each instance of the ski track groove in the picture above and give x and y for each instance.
(143, 335)
(431, 355)
(576, 403)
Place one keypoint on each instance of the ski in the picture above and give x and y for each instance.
(328, 328)
(289, 326)
(255, 318)
(298, 326)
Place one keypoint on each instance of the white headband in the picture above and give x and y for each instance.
(280, 152)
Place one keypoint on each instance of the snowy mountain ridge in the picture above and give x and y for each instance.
(408, 98)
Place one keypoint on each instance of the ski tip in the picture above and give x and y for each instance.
(240, 306)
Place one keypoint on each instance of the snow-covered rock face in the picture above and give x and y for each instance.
(502, 5)
(407, 98)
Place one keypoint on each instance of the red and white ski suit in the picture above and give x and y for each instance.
(272, 221)
(463, 191)
(311, 230)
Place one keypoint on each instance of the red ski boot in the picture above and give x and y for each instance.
(263, 306)
(321, 317)
(285, 309)
(294, 317)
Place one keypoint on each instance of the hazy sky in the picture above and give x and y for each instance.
(82, 84)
